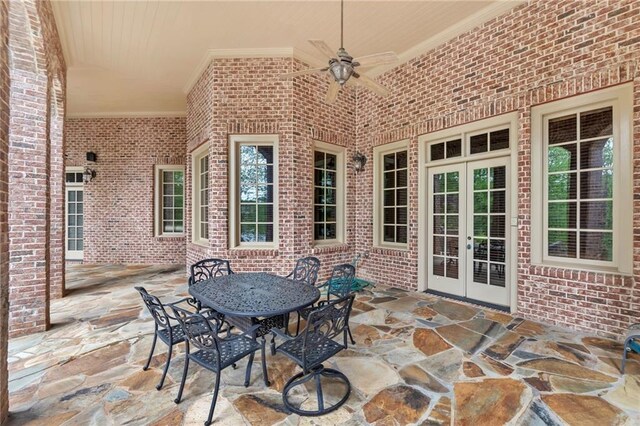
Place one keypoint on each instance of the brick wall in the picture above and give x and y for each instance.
(119, 203)
(4, 189)
(539, 52)
(244, 96)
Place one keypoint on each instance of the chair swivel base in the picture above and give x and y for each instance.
(315, 373)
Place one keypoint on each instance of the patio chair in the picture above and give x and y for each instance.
(340, 285)
(306, 270)
(314, 346)
(213, 352)
(170, 334)
(209, 268)
(631, 342)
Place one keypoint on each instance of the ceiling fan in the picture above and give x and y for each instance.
(342, 66)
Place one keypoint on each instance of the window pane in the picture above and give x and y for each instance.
(168, 189)
(389, 197)
(454, 148)
(563, 129)
(389, 162)
(452, 182)
(264, 174)
(318, 231)
(596, 184)
(498, 226)
(401, 197)
(248, 174)
(401, 215)
(437, 151)
(452, 225)
(480, 225)
(562, 158)
(389, 234)
(438, 266)
(596, 154)
(265, 213)
(318, 196)
(265, 193)
(401, 234)
(167, 177)
(331, 179)
(478, 143)
(318, 159)
(480, 179)
(496, 250)
(596, 215)
(331, 231)
(401, 178)
(247, 233)
(480, 249)
(330, 213)
(167, 201)
(401, 159)
(178, 202)
(562, 244)
(332, 162)
(453, 204)
(70, 177)
(562, 215)
(596, 123)
(438, 245)
(265, 155)
(247, 154)
(330, 196)
(499, 139)
(563, 186)
(247, 213)
(318, 214)
(79, 196)
(438, 182)
(498, 177)
(498, 203)
(265, 233)
(596, 246)
(389, 180)
(72, 195)
(480, 202)
(319, 178)
(438, 224)
(389, 216)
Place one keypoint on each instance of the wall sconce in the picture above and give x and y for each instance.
(88, 175)
(358, 161)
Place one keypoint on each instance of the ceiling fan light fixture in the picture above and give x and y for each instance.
(340, 71)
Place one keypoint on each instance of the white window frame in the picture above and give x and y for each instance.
(235, 141)
(159, 199)
(72, 254)
(378, 206)
(196, 156)
(621, 99)
(341, 201)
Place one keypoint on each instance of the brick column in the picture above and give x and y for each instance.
(4, 239)
(57, 191)
(28, 174)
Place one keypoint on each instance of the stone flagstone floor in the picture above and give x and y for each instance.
(419, 359)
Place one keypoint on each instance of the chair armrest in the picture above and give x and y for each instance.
(280, 333)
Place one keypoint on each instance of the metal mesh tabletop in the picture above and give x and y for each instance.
(254, 294)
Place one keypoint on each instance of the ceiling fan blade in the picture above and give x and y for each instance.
(302, 72)
(376, 59)
(332, 92)
(323, 48)
(365, 81)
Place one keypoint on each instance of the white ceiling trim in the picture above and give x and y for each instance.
(450, 33)
(127, 114)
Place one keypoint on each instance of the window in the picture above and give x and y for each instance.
(74, 176)
(254, 191)
(583, 147)
(169, 200)
(391, 195)
(328, 193)
(201, 195)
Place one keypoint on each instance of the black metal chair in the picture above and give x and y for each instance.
(213, 352)
(314, 346)
(209, 268)
(306, 270)
(168, 333)
(339, 285)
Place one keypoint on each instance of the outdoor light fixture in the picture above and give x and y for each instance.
(358, 161)
(88, 175)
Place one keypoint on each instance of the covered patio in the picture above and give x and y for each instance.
(418, 359)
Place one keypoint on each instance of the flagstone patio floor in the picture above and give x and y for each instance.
(418, 359)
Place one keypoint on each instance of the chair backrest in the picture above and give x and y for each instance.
(306, 270)
(342, 280)
(326, 322)
(155, 307)
(209, 268)
(201, 331)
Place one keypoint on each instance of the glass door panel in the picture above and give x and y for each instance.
(487, 230)
(446, 202)
(75, 223)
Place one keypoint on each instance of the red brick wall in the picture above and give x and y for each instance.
(539, 52)
(244, 96)
(4, 189)
(119, 202)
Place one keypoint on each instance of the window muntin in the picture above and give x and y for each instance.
(169, 200)
(256, 193)
(464, 144)
(446, 149)
(580, 179)
(394, 197)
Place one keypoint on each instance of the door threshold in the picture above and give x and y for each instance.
(467, 300)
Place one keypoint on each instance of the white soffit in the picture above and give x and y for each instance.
(139, 58)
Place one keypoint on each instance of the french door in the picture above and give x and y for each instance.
(468, 230)
(74, 211)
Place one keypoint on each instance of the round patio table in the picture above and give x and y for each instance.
(254, 294)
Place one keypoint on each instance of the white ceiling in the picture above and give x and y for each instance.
(141, 57)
